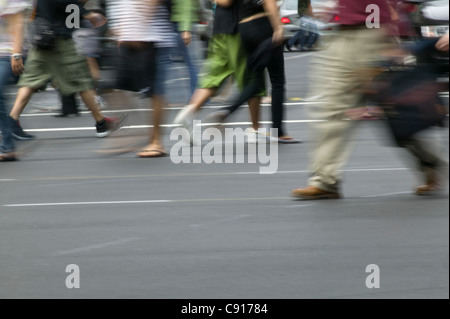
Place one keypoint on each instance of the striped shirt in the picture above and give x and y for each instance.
(140, 20)
(8, 7)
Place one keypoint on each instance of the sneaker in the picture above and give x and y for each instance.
(185, 117)
(288, 47)
(288, 140)
(109, 125)
(67, 115)
(314, 193)
(18, 133)
(7, 157)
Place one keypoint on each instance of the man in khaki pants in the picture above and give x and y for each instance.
(341, 73)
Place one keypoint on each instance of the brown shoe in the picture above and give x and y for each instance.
(7, 157)
(313, 193)
(428, 189)
(433, 185)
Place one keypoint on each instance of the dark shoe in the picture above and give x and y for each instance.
(18, 133)
(67, 115)
(109, 125)
(7, 157)
(288, 47)
(314, 193)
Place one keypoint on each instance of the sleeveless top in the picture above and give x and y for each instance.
(248, 8)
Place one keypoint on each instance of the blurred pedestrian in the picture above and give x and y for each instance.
(261, 34)
(308, 33)
(226, 58)
(12, 16)
(145, 35)
(183, 15)
(54, 57)
(342, 74)
(165, 42)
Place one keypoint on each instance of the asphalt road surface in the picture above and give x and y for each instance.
(141, 228)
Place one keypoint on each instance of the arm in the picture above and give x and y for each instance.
(309, 12)
(16, 30)
(183, 13)
(442, 44)
(271, 8)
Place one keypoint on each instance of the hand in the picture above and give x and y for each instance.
(17, 66)
(442, 44)
(187, 37)
(96, 19)
(278, 36)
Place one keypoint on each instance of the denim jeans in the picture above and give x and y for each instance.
(6, 77)
(163, 63)
(183, 50)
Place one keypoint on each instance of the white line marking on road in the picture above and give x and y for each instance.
(346, 170)
(93, 247)
(212, 107)
(91, 203)
(8, 180)
(387, 194)
(146, 202)
(73, 129)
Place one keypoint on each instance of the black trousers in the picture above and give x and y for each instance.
(69, 104)
(256, 37)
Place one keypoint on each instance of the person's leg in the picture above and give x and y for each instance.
(193, 73)
(68, 105)
(294, 40)
(278, 80)
(24, 95)
(255, 107)
(6, 74)
(155, 147)
(89, 100)
(338, 80)
(429, 163)
(312, 39)
(303, 39)
(200, 97)
(217, 69)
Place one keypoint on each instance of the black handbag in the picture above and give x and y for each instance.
(43, 35)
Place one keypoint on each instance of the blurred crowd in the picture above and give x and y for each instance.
(365, 63)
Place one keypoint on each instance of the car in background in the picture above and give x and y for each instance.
(324, 11)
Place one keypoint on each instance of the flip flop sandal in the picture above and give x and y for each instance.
(156, 153)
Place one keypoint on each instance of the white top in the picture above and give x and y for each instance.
(8, 7)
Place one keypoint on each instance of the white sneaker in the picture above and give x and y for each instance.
(260, 136)
(186, 116)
